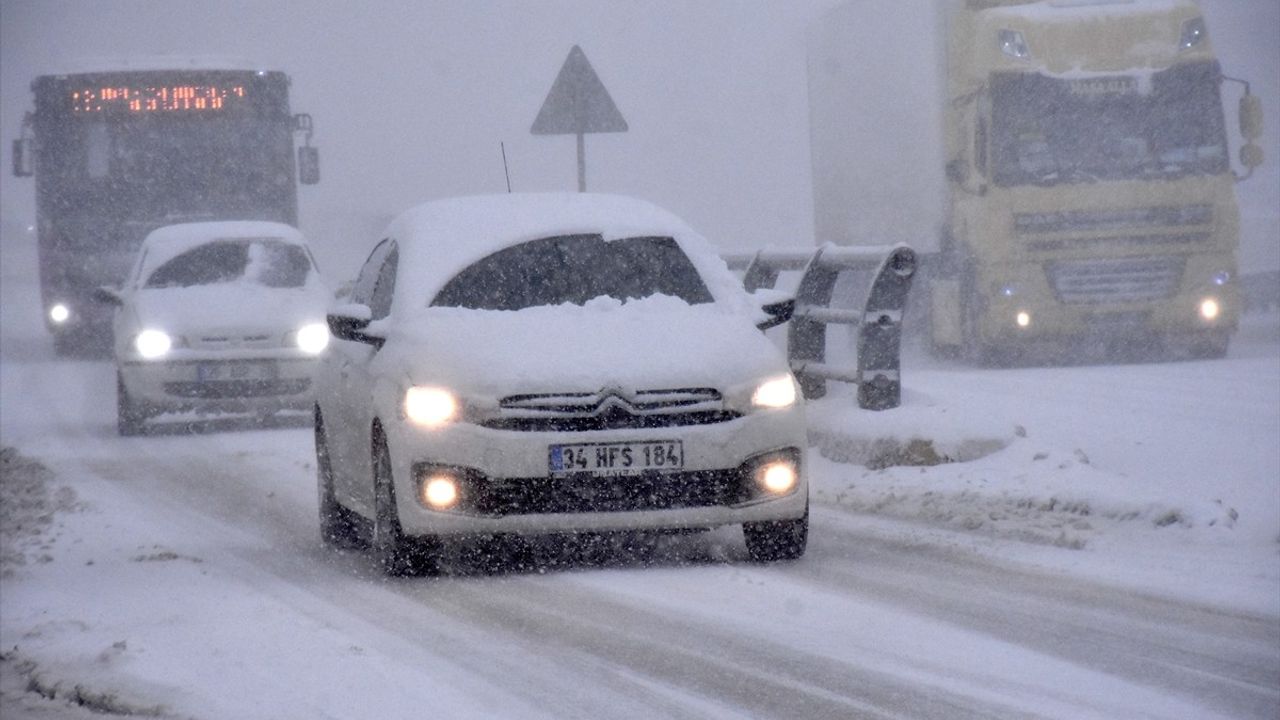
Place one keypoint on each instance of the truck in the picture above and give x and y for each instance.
(1064, 164)
(119, 148)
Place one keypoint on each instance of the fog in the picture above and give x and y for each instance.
(411, 101)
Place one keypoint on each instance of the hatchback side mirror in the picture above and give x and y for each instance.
(23, 157)
(108, 296)
(777, 313)
(350, 322)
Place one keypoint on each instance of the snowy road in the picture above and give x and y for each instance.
(199, 555)
(181, 575)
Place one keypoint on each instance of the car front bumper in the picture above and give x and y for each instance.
(507, 486)
(214, 384)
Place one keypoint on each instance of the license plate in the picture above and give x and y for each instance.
(616, 458)
(255, 370)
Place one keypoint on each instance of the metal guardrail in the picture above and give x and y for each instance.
(879, 322)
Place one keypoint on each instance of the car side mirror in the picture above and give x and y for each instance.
(777, 307)
(108, 296)
(350, 321)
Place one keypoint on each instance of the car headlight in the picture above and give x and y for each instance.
(312, 338)
(152, 344)
(430, 406)
(779, 392)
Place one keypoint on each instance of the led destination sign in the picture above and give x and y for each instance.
(155, 98)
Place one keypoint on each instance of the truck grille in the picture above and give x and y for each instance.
(610, 409)
(1109, 220)
(1116, 281)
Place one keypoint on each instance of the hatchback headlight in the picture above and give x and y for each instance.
(779, 392)
(430, 406)
(152, 344)
(312, 338)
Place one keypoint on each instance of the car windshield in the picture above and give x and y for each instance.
(261, 261)
(575, 269)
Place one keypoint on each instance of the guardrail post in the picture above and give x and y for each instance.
(880, 336)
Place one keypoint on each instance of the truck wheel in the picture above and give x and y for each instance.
(339, 526)
(396, 553)
(775, 540)
(130, 418)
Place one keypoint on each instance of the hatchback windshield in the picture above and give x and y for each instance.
(261, 261)
(575, 269)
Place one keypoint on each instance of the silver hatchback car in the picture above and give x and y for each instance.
(536, 364)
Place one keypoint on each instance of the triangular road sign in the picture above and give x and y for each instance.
(578, 102)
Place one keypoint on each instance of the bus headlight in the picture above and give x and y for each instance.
(1209, 309)
(152, 344)
(59, 313)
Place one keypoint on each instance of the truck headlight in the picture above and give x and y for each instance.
(1210, 309)
(430, 406)
(779, 392)
(1193, 33)
(59, 313)
(312, 338)
(152, 344)
(1013, 44)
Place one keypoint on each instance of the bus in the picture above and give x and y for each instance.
(117, 152)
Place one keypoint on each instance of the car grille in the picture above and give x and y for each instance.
(610, 409)
(1119, 280)
(224, 389)
(578, 494)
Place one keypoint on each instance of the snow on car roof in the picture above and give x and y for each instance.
(165, 243)
(438, 239)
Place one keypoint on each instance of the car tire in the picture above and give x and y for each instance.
(339, 526)
(775, 540)
(396, 553)
(130, 418)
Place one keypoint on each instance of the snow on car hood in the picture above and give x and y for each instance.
(656, 343)
(236, 306)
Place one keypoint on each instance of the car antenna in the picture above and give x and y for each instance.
(504, 164)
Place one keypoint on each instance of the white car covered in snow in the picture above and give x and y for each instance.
(536, 364)
(218, 317)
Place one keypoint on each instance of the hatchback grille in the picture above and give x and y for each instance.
(610, 409)
(226, 389)
(1120, 280)
(578, 494)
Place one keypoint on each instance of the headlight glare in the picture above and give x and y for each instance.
(152, 344)
(59, 313)
(1209, 309)
(312, 338)
(430, 406)
(779, 392)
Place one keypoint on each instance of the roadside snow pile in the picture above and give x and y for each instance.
(977, 470)
(27, 509)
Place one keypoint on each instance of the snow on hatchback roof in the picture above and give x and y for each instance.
(165, 243)
(439, 239)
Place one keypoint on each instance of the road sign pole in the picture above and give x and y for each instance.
(582, 163)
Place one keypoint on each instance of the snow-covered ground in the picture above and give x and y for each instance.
(1094, 542)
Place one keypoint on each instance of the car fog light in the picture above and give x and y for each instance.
(439, 492)
(152, 344)
(1023, 318)
(59, 313)
(1209, 309)
(313, 338)
(777, 477)
(429, 406)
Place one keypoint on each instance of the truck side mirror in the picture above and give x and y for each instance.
(1250, 117)
(308, 165)
(1251, 156)
(23, 157)
(958, 171)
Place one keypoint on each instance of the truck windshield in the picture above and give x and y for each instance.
(1047, 130)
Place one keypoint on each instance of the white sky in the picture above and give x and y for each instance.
(411, 100)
